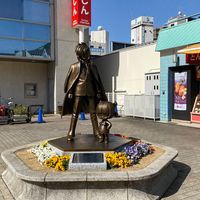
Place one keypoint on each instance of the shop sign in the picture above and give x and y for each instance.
(180, 91)
(81, 13)
(193, 58)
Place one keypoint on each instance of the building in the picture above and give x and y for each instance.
(99, 42)
(179, 19)
(179, 48)
(142, 30)
(119, 45)
(152, 83)
(36, 49)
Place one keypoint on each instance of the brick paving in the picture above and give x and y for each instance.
(185, 139)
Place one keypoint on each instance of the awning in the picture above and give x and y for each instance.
(191, 49)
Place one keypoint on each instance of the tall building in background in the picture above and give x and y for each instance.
(99, 42)
(142, 30)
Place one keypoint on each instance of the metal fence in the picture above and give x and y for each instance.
(117, 97)
(145, 106)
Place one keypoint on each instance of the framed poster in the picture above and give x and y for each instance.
(180, 91)
(197, 72)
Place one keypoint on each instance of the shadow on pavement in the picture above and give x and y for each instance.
(183, 171)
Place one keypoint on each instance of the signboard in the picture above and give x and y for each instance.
(81, 13)
(193, 58)
(180, 91)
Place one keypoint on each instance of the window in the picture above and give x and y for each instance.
(25, 28)
(147, 78)
(35, 49)
(30, 89)
(11, 9)
(36, 32)
(36, 11)
(10, 28)
(157, 77)
(157, 87)
(10, 47)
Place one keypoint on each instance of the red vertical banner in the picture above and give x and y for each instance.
(81, 13)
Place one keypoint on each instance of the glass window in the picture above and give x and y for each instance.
(37, 49)
(36, 32)
(11, 9)
(24, 48)
(10, 47)
(36, 11)
(10, 29)
(30, 89)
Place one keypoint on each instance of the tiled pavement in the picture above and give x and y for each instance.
(185, 139)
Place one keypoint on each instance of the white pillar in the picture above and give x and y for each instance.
(81, 34)
(113, 89)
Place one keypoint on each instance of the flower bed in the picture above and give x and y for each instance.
(124, 157)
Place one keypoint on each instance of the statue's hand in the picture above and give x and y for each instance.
(70, 96)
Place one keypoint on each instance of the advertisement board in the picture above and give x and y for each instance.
(180, 91)
(81, 13)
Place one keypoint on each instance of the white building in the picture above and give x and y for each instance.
(152, 83)
(99, 42)
(142, 30)
(124, 70)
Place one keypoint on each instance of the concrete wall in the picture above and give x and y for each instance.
(66, 39)
(13, 76)
(128, 67)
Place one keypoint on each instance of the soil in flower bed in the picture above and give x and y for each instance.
(31, 161)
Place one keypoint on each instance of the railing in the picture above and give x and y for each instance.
(145, 106)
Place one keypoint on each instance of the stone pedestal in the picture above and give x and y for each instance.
(145, 184)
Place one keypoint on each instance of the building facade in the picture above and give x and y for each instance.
(142, 30)
(124, 70)
(36, 49)
(179, 78)
(99, 42)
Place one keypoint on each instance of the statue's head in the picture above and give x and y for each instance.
(105, 110)
(82, 52)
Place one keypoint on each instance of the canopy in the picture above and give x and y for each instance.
(191, 49)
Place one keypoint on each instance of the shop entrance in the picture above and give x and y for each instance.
(183, 90)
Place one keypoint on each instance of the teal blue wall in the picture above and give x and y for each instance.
(166, 61)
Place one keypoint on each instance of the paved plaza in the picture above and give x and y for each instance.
(184, 138)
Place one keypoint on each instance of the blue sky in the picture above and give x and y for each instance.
(115, 15)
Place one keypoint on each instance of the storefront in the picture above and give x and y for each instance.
(180, 71)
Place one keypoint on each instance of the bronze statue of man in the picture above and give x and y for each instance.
(84, 89)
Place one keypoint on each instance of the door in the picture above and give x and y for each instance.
(181, 92)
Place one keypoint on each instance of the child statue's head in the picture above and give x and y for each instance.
(105, 110)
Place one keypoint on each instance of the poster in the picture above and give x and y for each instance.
(180, 91)
(198, 72)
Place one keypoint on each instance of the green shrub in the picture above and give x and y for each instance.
(20, 109)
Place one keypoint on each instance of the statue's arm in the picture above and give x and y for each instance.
(109, 124)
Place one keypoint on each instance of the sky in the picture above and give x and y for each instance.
(115, 15)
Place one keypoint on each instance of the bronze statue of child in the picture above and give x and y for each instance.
(104, 112)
